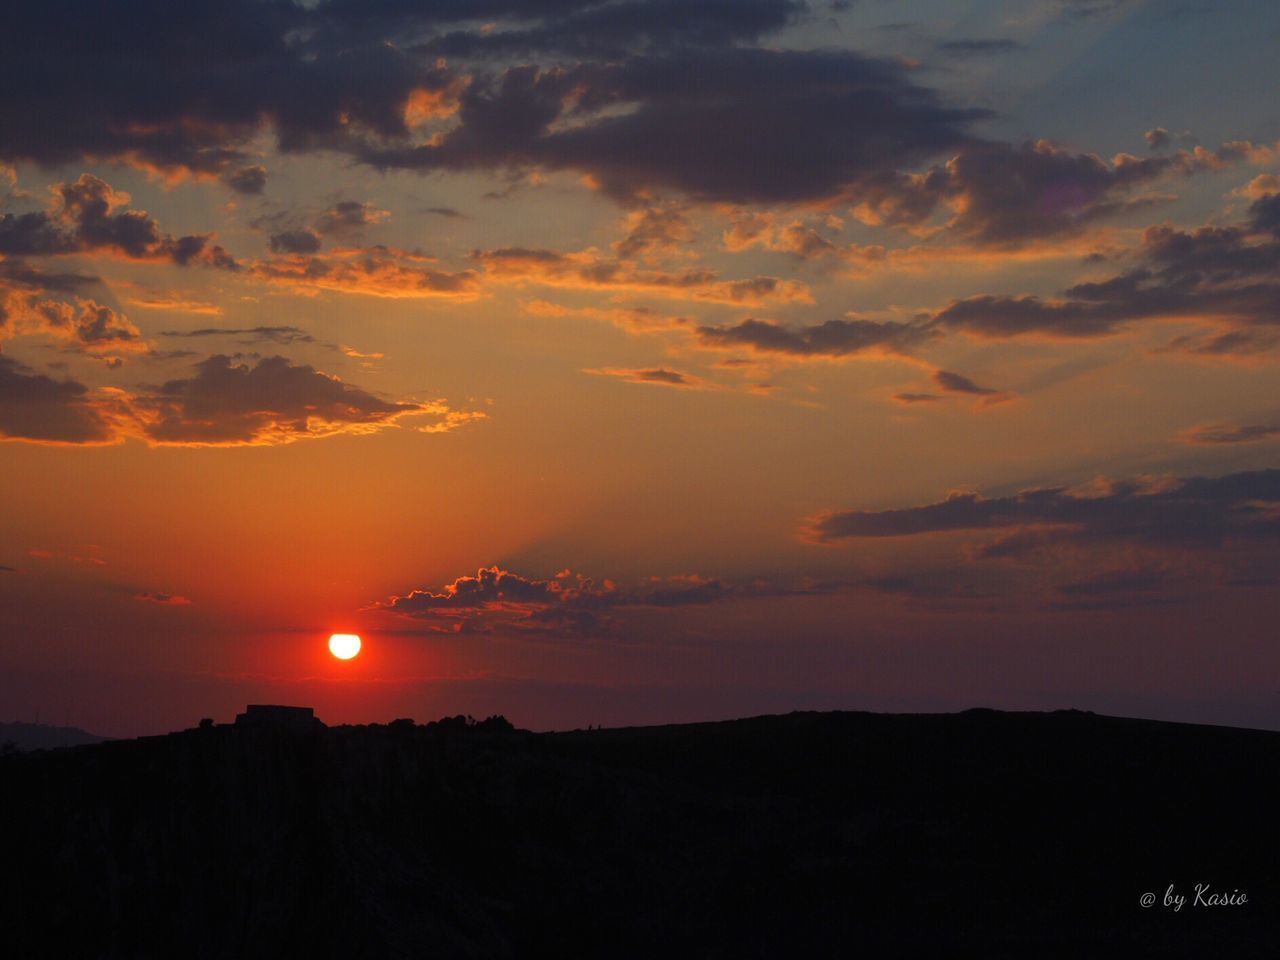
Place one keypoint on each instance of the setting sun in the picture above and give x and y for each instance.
(344, 646)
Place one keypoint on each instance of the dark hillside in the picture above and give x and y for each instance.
(1015, 835)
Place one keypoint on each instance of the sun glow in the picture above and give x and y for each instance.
(344, 646)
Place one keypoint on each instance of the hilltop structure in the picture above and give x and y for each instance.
(279, 717)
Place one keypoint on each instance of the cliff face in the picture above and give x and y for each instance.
(806, 835)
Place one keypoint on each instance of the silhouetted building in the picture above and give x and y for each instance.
(271, 715)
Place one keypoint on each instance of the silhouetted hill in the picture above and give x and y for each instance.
(808, 835)
(40, 736)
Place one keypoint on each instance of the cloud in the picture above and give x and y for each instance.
(1222, 275)
(202, 80)
(567, 603)
(1157, 138)
(910, 398)
(654, 230)
(958, 383)
(247, 180)
(348, 217)
(832, 339)
(1084, 9)
(83, 219)
(588, 270)
(176, 303)
(295, 241)
(83, 323)
(1229, 434)
(762, 229)
(814, 123)
(952, 385)
(1194, 511)
(274, 401)
(1121, 588)
(613, 30)
(980, 46)
(223, 404)
(1006, 196)
(15, 273)
(162, 599)
(38, 408)
(632, 319)
(283, 335)
(658, 376)
(643, 94)
(372, 271)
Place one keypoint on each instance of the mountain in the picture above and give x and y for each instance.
(807, 835)
(40, 736)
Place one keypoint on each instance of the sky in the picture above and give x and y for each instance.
(638, 361)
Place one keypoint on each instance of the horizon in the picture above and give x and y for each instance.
(428, 721)
(626, 363)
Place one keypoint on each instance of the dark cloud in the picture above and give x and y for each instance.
(565, 603)
(1264, 214)
(18, 274)
(85, 220)
(1113, 582)
(1234, 343)
(1083, 9)
(958, 383)
(1157, 138)
(644, 94)
(916, 397)
(248, 180)
(185, 87)
(274, 401)
(36, 407)
(660, 376)
(1227, 434)
(980, 46)
(608, 30)
(1194, 511)
(1010, 195)
(812, 122)
(1121, 589)
(449, 213)
(834, 338)
(347, 217)
(295, 241)
(1215, 274)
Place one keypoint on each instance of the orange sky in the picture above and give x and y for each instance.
(614, 367)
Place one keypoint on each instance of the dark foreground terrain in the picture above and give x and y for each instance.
(985, 834)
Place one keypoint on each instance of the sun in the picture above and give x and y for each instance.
(344, 646)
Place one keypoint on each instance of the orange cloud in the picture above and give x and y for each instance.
(85, 323)
(375, 272)
(587, 270)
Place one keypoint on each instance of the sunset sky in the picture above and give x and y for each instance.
(638, 361)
